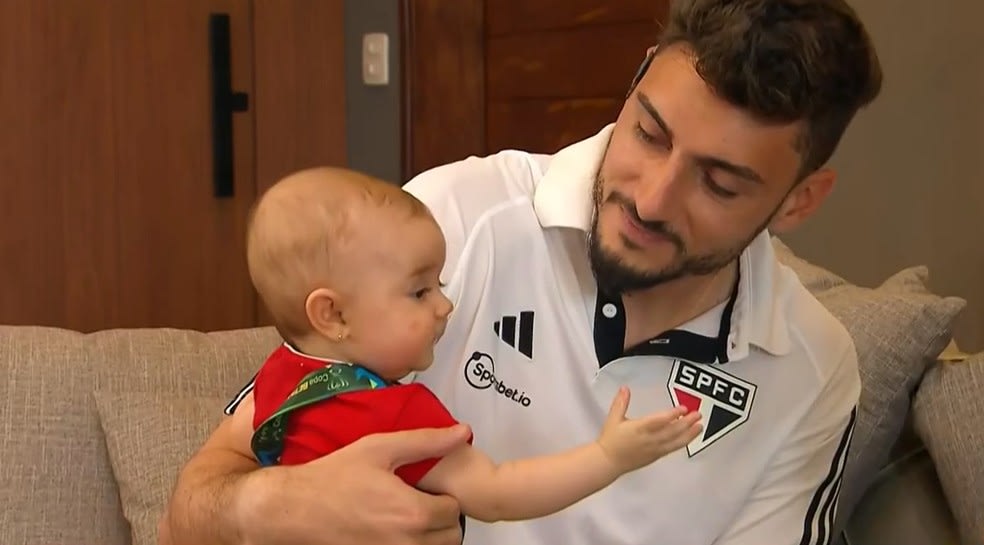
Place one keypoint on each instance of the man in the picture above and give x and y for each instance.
(640, 257)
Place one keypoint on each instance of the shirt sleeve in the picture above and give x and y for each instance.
(421, 410)
(796, 501)
(236, 400)
(459, 195)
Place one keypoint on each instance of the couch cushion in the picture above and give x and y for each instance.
(903, 506)
(149, 440)
(948, 413)
(177, 362)
(899, 329)
(57, 485)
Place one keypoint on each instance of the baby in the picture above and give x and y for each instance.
(349, 268)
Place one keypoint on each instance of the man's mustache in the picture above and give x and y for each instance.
(660, 228)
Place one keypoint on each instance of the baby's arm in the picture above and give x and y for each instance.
(535, 487)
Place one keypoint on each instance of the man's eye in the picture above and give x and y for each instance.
(657, 139)
(643, 135)
(716, 188)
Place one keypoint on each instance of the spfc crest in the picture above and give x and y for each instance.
(723, 400)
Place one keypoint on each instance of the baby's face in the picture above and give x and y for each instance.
(398, 311)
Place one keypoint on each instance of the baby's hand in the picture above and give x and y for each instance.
(631, 444)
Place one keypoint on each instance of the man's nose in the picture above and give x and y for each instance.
(659, 192)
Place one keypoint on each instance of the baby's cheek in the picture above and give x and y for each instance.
(413, 327)
(404, 344)
(419, 336)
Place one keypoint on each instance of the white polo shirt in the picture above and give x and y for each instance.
(532, 358)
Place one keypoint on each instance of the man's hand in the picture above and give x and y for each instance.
(352, 497)
(631, 444)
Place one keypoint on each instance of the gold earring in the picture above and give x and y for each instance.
(340, 336)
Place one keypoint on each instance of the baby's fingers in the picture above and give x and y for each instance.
(684, 428)
(679, 438)
(616, 413)
(668, 418)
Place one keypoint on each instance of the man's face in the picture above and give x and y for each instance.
(687, 181)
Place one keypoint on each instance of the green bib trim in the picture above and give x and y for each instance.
(324, 383)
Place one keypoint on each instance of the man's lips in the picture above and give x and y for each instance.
(635, 231)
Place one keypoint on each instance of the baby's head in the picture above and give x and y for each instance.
(349, 268)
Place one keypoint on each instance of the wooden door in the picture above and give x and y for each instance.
(300, 86)
(300, 90)
(109, 215)
(57, 163)
(486, 75)
(181, 250)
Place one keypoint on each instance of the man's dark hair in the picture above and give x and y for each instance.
(783, 61)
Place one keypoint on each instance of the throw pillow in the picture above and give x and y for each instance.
(899, 329)
(149, 440)
(947, 411)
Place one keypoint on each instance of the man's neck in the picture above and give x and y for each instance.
(667, 306)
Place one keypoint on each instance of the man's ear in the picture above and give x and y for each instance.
(804, 200)
(323, 307)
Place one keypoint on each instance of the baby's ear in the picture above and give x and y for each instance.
(324, 314)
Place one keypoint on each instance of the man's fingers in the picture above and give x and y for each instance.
(405, 447)
(437, 518)
(443, 512)
(447, 536)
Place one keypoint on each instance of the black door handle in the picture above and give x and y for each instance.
(225, 101)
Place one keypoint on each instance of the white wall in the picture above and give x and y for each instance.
(911, 189)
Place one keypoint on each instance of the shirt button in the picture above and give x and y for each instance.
(609, 310)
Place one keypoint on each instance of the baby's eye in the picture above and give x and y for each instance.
(420, 294)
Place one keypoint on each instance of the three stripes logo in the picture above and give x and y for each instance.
(521, 337)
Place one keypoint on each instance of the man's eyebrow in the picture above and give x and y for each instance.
(651, 110)
(706, 161)
(740, 171)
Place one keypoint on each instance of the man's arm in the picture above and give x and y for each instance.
(796, 502)
(202, 506)
(222, 497)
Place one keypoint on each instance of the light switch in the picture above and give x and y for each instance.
(375, 58)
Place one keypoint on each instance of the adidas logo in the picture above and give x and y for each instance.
(520, 338)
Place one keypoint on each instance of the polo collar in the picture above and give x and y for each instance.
(563, 196)
(755, 315)
(759, 318)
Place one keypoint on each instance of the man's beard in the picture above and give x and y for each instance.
(615, 276)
